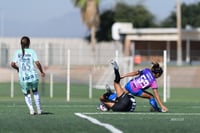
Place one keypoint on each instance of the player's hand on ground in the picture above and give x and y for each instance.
(164, 109)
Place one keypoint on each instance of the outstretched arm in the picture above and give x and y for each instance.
(40, 68)
(131, 74)
(156, 95)
(13, 65)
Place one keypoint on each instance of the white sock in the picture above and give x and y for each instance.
(28, 101)
(37, 100)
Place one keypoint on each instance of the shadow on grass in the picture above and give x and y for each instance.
(47, 113)
(44, 113)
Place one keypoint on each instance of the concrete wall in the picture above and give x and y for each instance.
(53, 52)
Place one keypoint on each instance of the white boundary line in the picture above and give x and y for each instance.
(135, 113)
(111, 128)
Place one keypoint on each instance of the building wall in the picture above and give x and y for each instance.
(154, 49)
(54, 51)
(53, 54)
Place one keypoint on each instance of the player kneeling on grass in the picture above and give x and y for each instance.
(118, 101)
(143, 80)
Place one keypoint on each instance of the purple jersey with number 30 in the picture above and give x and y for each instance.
(144, 81)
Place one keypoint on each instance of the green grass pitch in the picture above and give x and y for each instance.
(59, 117)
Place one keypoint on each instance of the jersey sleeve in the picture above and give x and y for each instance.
(154, 85)
(35, 58)
(140, 72)
(15, 57)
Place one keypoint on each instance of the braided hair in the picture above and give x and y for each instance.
(156, 69)
(25, 43)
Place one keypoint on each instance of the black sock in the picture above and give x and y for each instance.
(117, 76)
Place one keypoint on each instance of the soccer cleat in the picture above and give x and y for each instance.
(102, 107)
(39, 112)
(32, 112)
(114, 64)
(155, 110)
(108, 89)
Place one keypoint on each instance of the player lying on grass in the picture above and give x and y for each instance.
(118, 101)
(145, 79)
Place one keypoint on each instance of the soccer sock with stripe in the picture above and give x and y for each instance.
(28, 101)
(154, 104)
(37, 100)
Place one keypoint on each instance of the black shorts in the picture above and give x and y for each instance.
(123, 104)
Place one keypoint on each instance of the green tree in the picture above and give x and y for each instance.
(106, 22)
(138, 15)
(90, 16)
(190, 16)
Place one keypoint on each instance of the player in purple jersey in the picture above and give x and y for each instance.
(145, 79)
(119, 100)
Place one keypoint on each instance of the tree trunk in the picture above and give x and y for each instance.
(127, 44)
(93, 38)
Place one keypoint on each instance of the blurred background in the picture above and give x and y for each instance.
(87, 34)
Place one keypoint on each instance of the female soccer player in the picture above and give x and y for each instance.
(24, 62)
(144, 79)
(119, 101)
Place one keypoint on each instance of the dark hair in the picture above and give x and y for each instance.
(25, 43)
(156, 68)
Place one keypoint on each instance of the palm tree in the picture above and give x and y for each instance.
(90, 16)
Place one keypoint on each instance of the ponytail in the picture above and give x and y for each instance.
(156, 68)
(25, 42)
(23, 51)
(155, 65)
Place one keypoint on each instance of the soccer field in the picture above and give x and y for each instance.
(81, 116)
